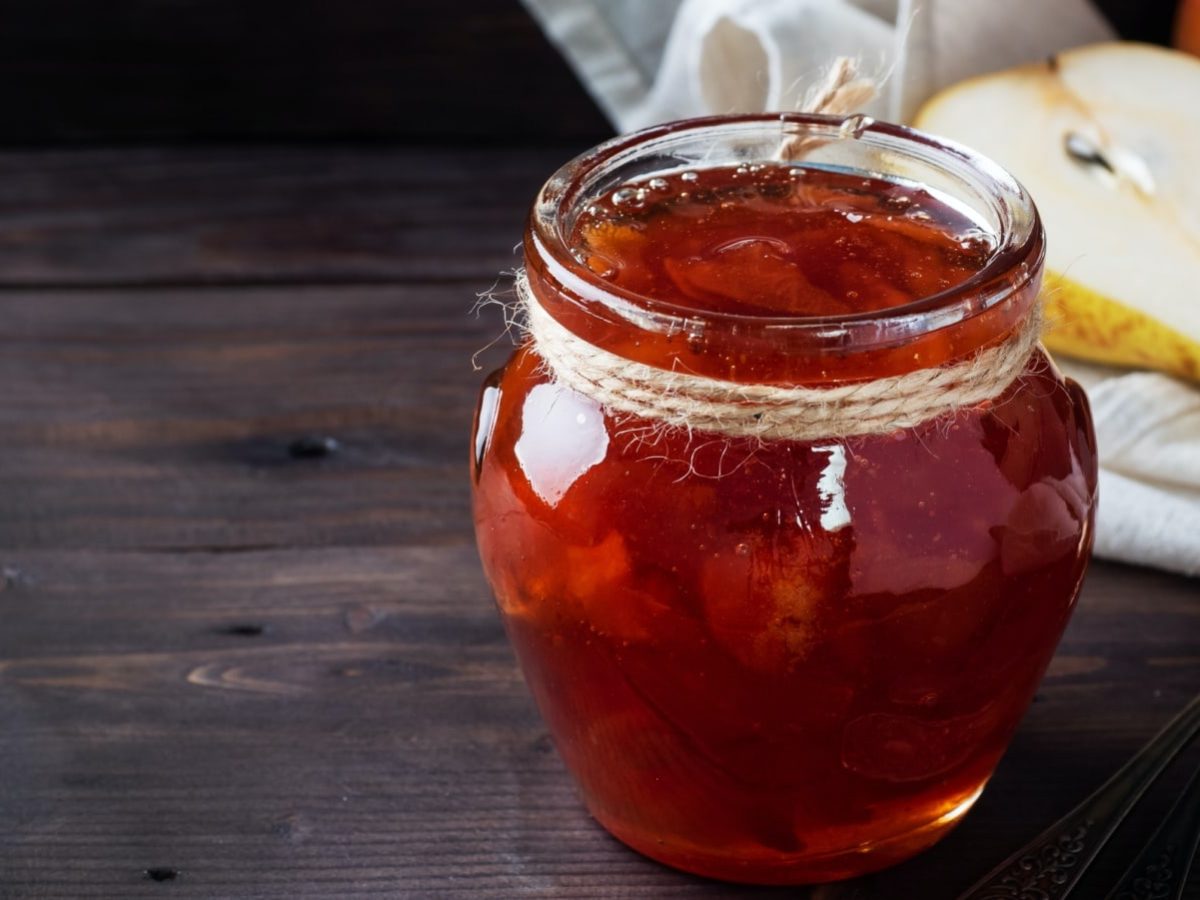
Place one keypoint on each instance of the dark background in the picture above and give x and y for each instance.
(408, 70)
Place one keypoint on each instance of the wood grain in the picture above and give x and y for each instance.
(256, 674)
(173, 430)
(264, 215)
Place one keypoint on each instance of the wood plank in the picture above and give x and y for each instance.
(349, 722)
(265, 215)
(164, 419)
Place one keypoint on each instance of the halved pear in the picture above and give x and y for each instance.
(1107, 140)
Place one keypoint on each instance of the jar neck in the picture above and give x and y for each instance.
(799, 351)
(933, 331)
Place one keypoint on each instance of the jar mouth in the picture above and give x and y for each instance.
(970, 181)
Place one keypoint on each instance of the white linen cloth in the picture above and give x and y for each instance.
(648, 61)
(1148, 434)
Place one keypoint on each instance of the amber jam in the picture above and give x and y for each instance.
(772, 239)
(783, 661)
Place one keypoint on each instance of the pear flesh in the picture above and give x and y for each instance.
(1106, 138)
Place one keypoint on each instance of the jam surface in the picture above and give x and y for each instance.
(778, 240)
(781, 661)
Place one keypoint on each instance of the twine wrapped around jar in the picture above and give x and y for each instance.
(768, 411)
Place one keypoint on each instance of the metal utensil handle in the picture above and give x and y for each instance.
(1052, 864)
(1161, 869)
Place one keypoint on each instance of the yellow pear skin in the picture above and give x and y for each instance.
(1088, 325)
(1107, 140)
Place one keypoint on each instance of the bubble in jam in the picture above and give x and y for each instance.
(775, 239)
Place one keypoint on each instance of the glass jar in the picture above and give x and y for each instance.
(784, 661)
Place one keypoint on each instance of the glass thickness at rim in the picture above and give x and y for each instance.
(1010, 211)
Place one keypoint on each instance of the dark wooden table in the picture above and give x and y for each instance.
(232, 667)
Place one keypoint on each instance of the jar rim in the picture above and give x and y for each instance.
(1015, 260)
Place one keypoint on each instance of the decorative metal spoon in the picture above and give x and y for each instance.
(1160, 871)
(1051, 865)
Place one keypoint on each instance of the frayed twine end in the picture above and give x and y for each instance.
(512, 309)
(842, 91)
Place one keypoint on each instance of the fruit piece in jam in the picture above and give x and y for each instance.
(779, 240)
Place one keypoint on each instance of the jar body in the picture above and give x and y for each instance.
(781, 661)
